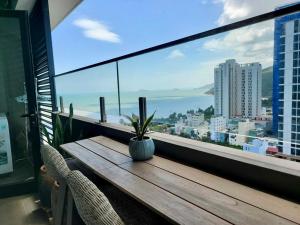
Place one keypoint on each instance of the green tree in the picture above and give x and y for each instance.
(173, 118)
(200, 110)
(185, 135)
(209, 112)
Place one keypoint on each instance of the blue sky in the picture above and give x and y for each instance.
(98, 30)
(139, 24)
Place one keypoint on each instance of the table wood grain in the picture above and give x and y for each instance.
(182, 194)
(259, 199)
(171, 207)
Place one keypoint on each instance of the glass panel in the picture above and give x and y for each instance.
(16, 164)
(235, 10)
(151, 23)
(170, 79)
(238, 88)
(217, 89)
(84, 88)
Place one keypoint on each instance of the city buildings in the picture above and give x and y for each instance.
(254, 133)
(194, 126)
(179, 126)
(194, 119)
(286, 83)
(258, 146)
(251, 89)
(227, 79)
(265, 123)
(237, 89)
(240, 134)
(217, 128)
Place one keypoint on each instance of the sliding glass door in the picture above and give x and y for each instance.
(19, 136)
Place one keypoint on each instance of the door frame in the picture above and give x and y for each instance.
(34, 135)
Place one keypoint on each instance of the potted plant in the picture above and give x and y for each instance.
(140, 146)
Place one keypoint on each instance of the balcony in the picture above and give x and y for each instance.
(225, 125)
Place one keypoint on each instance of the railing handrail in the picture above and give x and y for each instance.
(253, 20)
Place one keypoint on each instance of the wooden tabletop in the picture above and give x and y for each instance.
(181, 194)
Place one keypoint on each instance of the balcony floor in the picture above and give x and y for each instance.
(22, 210)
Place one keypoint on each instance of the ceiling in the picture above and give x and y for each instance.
(58, 9)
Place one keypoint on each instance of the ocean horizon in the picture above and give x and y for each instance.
(163, 102)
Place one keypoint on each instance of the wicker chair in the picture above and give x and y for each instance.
(92, 205)
(57, 168)
(55, 163)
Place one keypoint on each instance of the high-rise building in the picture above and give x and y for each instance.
(237, 89)
(251, 90)
(286, 83)
(217, 128)
(227, 79)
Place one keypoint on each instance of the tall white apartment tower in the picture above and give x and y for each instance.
(227, 84)
(237, 89)
(251, 90)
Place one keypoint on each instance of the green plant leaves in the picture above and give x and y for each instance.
(146, 124)
(59, 128)
(61, 134)
(69, 126)
(129, 118)
(140, 130)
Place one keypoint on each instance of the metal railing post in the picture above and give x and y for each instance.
(118, 83)
(102, 110)
(142, 109)
(61, 103)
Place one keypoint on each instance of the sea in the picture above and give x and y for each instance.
(162, 102)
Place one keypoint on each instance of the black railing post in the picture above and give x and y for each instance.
(142, 109)
(118, 83)
(102, 110)
(61, 103)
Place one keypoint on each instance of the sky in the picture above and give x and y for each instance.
(98, 30)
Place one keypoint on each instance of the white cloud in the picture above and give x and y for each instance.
(249, 44)
(234, 10)
(97, 30)
(176, 54)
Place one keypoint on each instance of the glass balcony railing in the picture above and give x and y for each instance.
(237, 87)
(84, 88)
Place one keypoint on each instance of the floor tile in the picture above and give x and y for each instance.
(22, 210)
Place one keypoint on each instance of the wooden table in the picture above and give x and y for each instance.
(181, 194)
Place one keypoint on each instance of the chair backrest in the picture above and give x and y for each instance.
(54, 162)
(92, 205)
